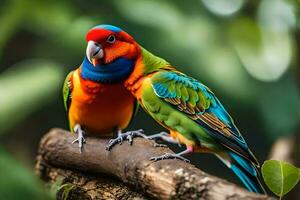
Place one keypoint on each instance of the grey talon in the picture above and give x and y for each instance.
(160, 145)
(169, 156)
(80, 138)
(125, 136)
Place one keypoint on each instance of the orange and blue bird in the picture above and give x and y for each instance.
(95, 97)
(188, 109)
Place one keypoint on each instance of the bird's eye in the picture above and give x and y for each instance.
(111, 39)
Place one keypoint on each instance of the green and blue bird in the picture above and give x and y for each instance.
(187, 108)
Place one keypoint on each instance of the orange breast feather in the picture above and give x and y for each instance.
(99, 108)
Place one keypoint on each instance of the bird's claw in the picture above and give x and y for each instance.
(158, 136)
(125, 136)
(160, 145)
(164, 136)
(81, 140)
(129, 138)
(169, 156)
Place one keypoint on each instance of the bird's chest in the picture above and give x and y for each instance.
(95, 98)
(101, 107)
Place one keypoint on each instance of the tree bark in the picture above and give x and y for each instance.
(130, 165)
(84, 186)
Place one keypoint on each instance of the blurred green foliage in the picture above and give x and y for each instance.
(246, 51)
(25, 88)
(17, 182)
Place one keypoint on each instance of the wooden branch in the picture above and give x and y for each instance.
(78, 185)
(167, 179)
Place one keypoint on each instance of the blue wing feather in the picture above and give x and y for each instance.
(177, 86)
(235, 140)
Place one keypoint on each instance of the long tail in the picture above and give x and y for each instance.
(244, 170)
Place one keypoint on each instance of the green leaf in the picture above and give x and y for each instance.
(67, 187)
(280, 176)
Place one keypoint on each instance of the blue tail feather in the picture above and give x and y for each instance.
(246, 172)
(251, 182)
(245, 164)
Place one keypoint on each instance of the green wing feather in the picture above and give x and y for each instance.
(67, 91)
(196, 101)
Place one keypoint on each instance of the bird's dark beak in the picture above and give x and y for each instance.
(94, 52)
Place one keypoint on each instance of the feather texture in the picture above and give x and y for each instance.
(200, 104)
(67, 90)
(182, 104)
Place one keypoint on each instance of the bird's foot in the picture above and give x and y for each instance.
(164, 136)
(129, 135)
(80, 139)
(157, 136)
(169, 156)
(160, 145)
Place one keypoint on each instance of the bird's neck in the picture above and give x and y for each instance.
(116, 71)
(146, 65)
(151, 62)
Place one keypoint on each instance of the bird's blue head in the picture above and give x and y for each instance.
(110, 54)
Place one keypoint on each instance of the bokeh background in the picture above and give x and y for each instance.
(247, 52)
